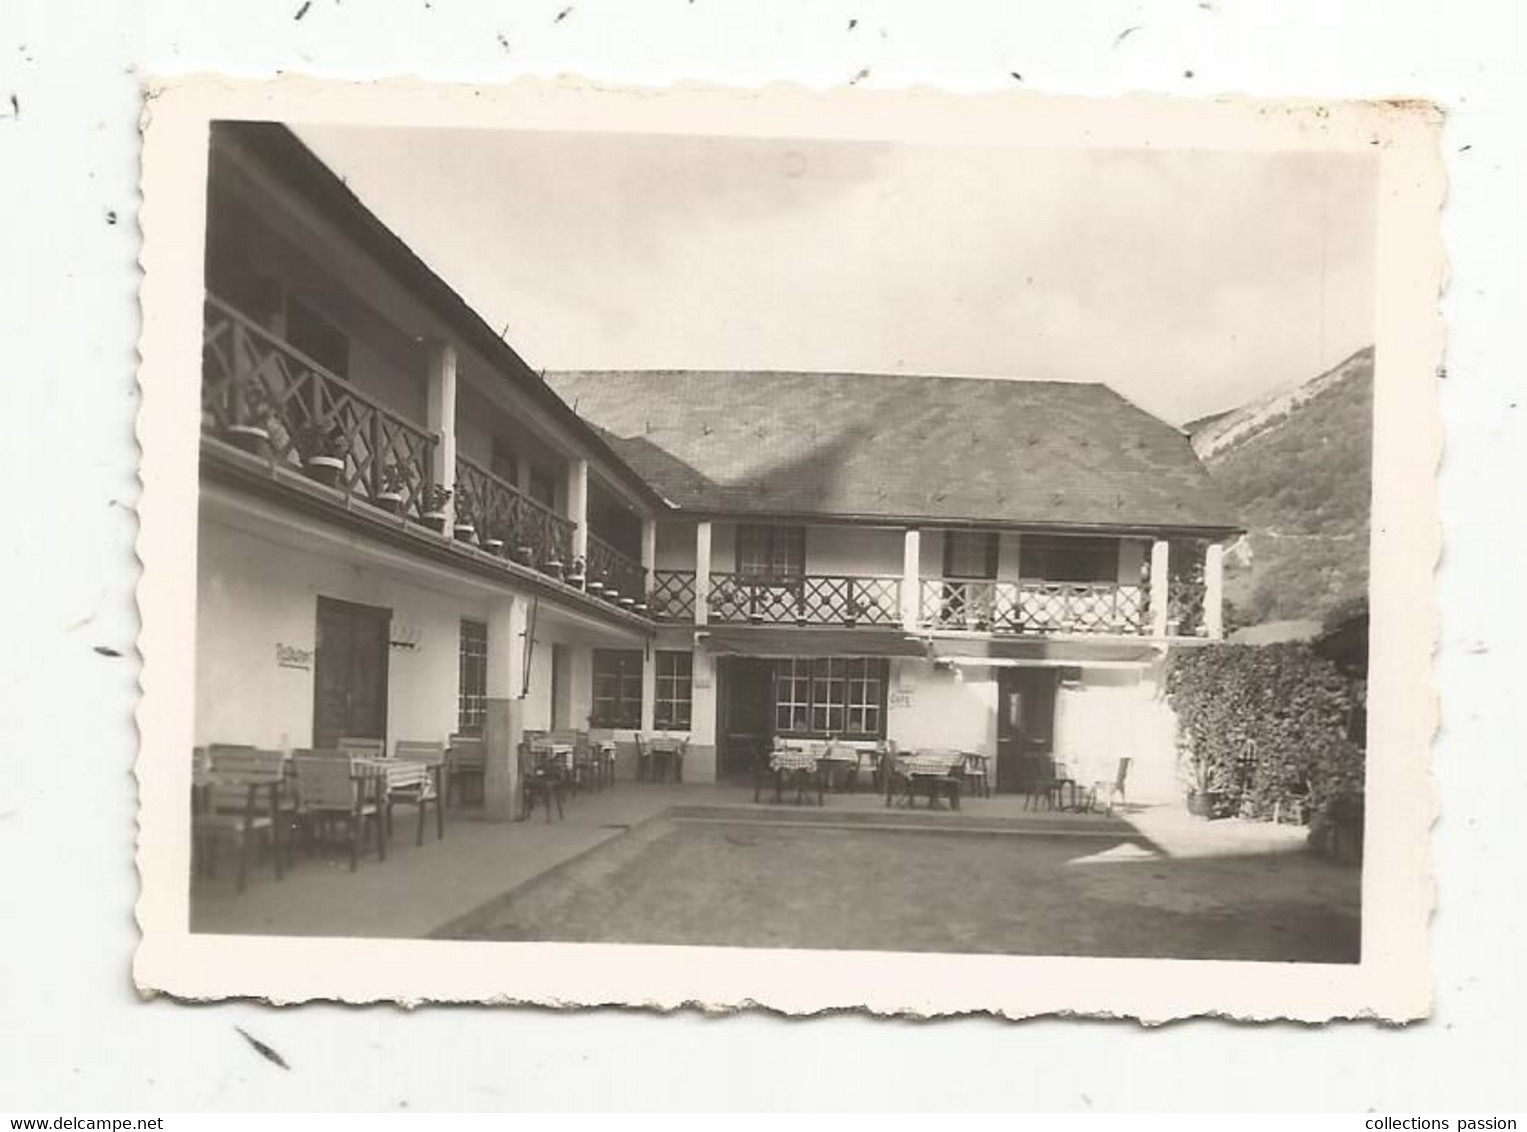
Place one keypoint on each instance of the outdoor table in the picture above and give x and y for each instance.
(840, 758)
(800, 767)
(604, 758)
(932, 770)
(672, 751)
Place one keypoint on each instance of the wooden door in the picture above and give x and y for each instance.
(747, 706)
(1025, 726)
(350, 672)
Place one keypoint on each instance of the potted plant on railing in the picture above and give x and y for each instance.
(553, 564)
(465, 528)
(577, 575)
(324, 446)
(390, 496)
(494, 542)
(253, 408)
(855, 610)
(432, 507)
(594, 584)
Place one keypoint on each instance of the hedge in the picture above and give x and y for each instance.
(1262, 730)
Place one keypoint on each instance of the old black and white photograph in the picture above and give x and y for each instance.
(797, 542)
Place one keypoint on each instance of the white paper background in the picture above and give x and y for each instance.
(73, 1037)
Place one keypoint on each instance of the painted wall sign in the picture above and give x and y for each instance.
(288, 656)
(899, 699)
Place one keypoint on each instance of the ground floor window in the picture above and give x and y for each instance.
(821, 696)
(617, 688)
(472, 687)
(671, 709)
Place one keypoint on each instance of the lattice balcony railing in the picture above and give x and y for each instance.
(672, 596)
(612, 573)
(1033, 606)
(252, 379)
(531, 532)
(806, 600)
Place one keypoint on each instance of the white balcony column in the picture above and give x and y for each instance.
(649, 553)
(1214, 591)
(505, 723)
(649, 687)
(702, 571)
(1160, 594)
(440, 416)
(578, 506)
(911, 578)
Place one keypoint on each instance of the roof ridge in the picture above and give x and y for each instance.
(756, 372)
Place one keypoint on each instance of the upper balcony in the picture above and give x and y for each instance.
(842, 577)
(263, 395)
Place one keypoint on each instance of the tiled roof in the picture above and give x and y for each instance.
(899, 447)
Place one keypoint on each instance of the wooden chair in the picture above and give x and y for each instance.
(894, 780)
(975, 774)
(643, 759)
(233, 778)
(1111, 792)
(540, 778)
(362, 747)
(418, 791)
(329, 791)
(465, 762)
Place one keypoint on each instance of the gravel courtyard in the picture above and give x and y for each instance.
(900, 882)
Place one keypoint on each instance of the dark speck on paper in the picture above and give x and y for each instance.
(302, 11)
(563, 14)
(852, 24)
(1126, 33)
(863, 74)
(107, 650)
(1016, 76)
(262, 1049)
(111, 216)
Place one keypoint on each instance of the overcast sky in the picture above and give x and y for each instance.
(1189, 281)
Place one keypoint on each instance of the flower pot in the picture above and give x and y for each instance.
(553, 567)
(578, 581)
(325, 469)
(628, 603)
(434, 520)
(594, 586)
(494, 546)
(465, 532)
(524, 555)
(1202, 805)
(250, 438)
(389, 501)
(641, 607)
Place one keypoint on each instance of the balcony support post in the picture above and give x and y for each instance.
(440, 416)
(911, 578)
(504, 727)
(649, 554)
(1214, 591)
(702, 571)
(578, 506)
(1160, 586)
(649, 687)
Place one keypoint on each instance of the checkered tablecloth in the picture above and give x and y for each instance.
(925, 764)
(793, 760)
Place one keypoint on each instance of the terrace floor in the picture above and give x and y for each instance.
(703, 865)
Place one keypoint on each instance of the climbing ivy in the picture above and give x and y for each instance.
(1262, 729)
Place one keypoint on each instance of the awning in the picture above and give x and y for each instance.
(774, 641)
(1006, 652)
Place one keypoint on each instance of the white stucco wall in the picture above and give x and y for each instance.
(254, 594)
(1117, 713)
(941, 707)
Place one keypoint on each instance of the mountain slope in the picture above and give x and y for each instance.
(1297, 466)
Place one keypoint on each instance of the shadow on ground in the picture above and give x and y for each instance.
(896, 881)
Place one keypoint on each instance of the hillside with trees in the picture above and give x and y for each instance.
(1297, 466)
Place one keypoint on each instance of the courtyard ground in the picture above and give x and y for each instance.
(702, 865)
